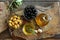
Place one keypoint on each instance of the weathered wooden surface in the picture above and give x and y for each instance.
(6, 36)
(53, 25)
(3, 16)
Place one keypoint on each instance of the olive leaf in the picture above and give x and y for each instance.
(15, 4)
(33, 32)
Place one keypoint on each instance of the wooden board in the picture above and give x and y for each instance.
(3, 16)
(50, 30)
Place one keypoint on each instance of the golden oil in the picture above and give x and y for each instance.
(42, 19)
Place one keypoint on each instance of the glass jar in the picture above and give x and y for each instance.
(42, 19)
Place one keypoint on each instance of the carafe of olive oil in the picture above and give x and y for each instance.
(42, 19)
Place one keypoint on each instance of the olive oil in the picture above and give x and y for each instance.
(42, 19)
(28, 29)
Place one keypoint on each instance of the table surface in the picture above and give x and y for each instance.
(6, 36)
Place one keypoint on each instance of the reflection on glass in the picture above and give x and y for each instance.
(42, 19)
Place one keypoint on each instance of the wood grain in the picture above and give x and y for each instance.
(3, 16)
(50, 30)
(6, 36)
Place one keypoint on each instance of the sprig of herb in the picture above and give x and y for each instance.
(30, 30)
(15, 4)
